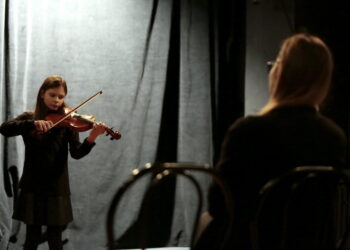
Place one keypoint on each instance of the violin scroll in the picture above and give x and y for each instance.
(90, 119)
(114, 134)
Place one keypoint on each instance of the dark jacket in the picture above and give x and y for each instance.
(259, 148)
(45, 167)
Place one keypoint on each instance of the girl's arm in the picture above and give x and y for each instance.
(22, 124)
(78, 149)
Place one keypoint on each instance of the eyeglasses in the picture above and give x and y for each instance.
(269, 65)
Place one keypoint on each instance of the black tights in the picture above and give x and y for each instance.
(33, 237)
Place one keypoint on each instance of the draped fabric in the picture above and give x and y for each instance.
(122, 48)
(5, 202)
(195, 115)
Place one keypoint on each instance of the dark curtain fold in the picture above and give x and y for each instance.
(146, 49)
(7, 101)
(6, 190)
(231, 39)
(168, 133)
(163, 197)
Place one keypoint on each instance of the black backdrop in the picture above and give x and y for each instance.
(329, 20)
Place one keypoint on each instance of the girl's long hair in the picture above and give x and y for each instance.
(50, 82)
(302, 73)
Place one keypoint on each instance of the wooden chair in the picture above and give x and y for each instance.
(307, 208)
(160, 172)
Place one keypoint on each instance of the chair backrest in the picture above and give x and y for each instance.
(302, 210)
(159, 172)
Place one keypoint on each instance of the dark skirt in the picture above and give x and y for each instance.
(38, 209)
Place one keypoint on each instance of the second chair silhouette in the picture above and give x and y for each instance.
(306, 208)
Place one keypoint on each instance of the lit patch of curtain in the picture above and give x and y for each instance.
(114, 46)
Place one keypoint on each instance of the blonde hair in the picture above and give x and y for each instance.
(302, 73)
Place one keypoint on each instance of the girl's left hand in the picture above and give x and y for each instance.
(98, 129)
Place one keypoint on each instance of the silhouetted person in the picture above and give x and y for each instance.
(288, 132)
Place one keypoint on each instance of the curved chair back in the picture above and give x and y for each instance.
(300, 210)
(159, 172)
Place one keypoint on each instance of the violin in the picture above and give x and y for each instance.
(79, 123)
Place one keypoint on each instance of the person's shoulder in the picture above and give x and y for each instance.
(245, 124)
(330, 125)
(246, 121)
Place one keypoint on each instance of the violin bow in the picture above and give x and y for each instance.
(78, 107)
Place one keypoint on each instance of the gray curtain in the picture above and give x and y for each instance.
(5, 202)
(100, 45)
(195, 117)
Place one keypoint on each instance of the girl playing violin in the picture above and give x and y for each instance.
(44, 197)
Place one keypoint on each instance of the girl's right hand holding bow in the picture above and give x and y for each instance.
(43, 126)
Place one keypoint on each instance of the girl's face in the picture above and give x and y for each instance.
(53, 98)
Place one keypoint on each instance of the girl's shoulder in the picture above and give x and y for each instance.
(26, 115)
